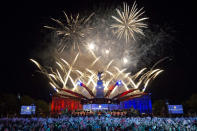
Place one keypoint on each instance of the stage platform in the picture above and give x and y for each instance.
(142, 104)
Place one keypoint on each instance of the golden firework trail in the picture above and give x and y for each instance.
(129, 22)
(73, 32)
(64, 77)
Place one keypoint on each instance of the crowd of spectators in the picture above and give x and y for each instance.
(96, 123)
(115, 113)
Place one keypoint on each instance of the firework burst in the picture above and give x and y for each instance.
(76, 72)
(129, 22)
(73, 32)
(65, 78)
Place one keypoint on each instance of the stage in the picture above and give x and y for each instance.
(143, 104)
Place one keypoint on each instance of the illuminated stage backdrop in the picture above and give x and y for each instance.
(142, 104)
(59, 104)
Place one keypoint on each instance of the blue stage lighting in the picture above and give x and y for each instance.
(56, 89)
(79, 83)
(118, 83)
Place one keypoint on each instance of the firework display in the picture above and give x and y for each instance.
(71, 33)
(129, 22)
(68, 80)
(98, 58)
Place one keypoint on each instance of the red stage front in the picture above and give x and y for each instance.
(58, 104)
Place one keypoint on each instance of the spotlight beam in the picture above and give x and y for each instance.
(70, 97)
(74, 93)
(89, 91)
(124, 93)
(131, 96)
(111, 88)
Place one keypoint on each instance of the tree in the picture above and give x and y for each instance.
(192, 103)
(27, 100)
(8, 104)
(42, 107)
(158, 107)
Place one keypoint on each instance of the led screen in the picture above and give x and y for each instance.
(28, 110)
(175, 109)
(95, 107)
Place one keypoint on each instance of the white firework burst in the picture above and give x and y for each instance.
(72, 32)
(129, 22)
(67, 77)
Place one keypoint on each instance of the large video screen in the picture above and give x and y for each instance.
(175, 109)
(95, 107)
(28, 110)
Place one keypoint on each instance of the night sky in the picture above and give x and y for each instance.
(23, 32)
